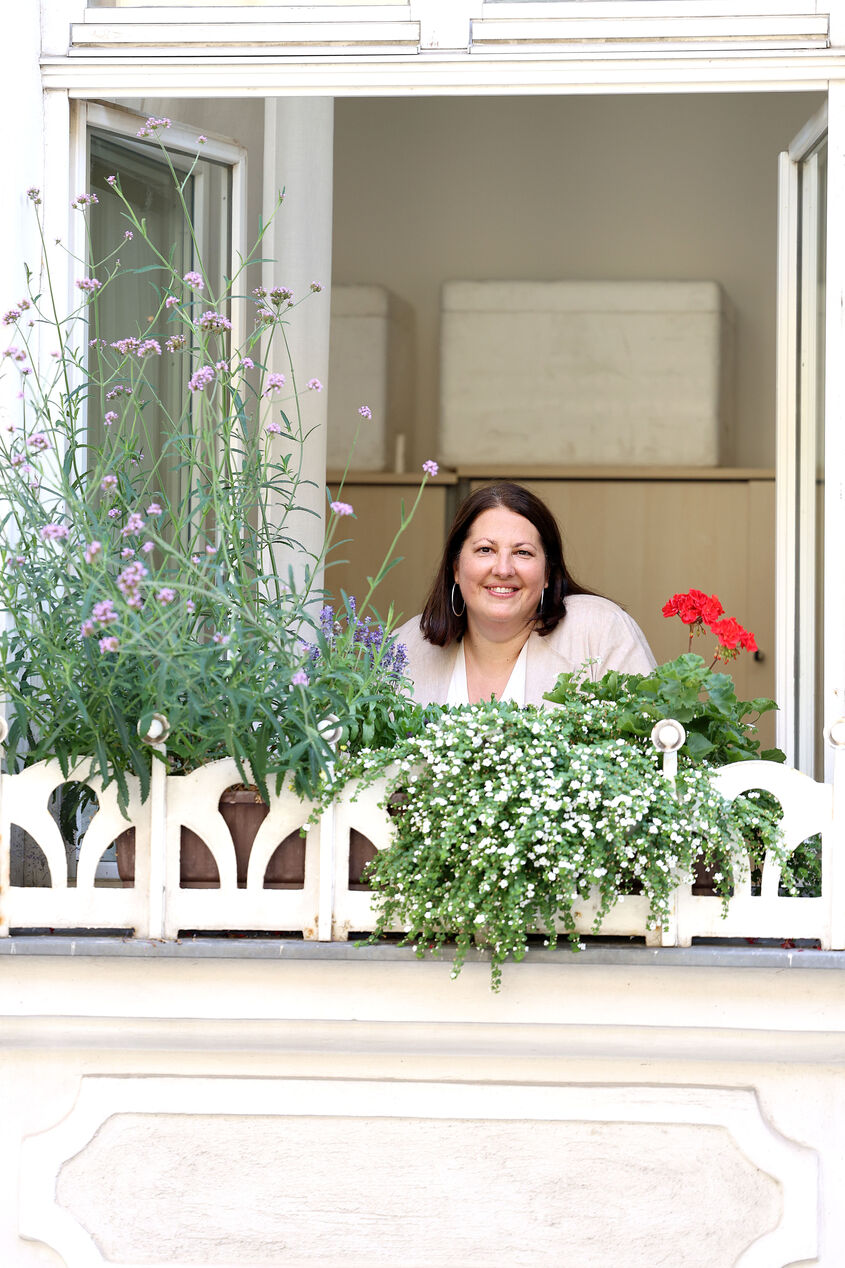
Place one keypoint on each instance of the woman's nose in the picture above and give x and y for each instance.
(504, 563)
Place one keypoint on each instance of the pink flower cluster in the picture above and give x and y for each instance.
(129, 584)
(211, 320)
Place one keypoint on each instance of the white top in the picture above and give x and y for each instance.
(514, 692)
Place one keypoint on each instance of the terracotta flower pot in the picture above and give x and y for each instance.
(243, 812)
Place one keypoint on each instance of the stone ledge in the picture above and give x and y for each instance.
(723, 955)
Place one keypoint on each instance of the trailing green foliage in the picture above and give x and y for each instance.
(506, 820)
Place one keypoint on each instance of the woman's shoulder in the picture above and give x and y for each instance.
(429, 666)
(597, 629)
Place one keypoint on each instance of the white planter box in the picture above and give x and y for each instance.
(586, 372)
(370, 363)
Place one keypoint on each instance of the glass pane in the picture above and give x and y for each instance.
(131, 305)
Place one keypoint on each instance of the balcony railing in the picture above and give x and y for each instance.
(324, 899)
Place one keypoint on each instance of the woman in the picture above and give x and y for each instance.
(504, 618)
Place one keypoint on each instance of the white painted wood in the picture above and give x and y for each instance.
(806, 31)
(547, 9)
(223, 71)
(444, 24)
(331, 36)
(834, 524)
(298, 157)
(786, 458)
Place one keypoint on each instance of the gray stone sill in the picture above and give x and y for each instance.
(722, 955)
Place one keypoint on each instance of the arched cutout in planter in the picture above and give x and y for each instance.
(243, 811)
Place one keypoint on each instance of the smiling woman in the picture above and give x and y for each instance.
(504, 617)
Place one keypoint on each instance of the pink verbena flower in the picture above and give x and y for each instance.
(342, 508)
(135, 524)
(274, 429)
(220, 639)
(365, 411)
(149, 347)
(194, 280)
(109, 644)
(175, 343)
(103, 612)
(171, 301)
(127, 345)
(190, 606)
(84, 200)
(92, 550)
(108, 483)
(165, 595)
(89, 284)
(316, 287)
(147, 547)
(110, 417)
(54, 532)
(247, 363)
(86, 629)
(213, 321)
(275, 383)
(300, 679)
(430, 467)
(201, 378)
(38, 441)
(314, 385)
(154, 509)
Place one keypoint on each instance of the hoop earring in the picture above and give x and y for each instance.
(455, 612)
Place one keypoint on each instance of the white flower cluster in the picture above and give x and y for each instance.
(505, 819)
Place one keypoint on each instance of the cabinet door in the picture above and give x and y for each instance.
(640, 541)
(362, 544)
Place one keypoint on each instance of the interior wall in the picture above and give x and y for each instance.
(541, 188)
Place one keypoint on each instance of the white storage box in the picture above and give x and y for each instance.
(586, 372)
(370, 363)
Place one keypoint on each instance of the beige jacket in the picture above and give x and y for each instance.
(593, 629)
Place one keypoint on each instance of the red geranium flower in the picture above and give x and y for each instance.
(694, 607)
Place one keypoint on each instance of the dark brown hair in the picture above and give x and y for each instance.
(438, 621)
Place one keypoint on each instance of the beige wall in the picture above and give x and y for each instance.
(649, 187)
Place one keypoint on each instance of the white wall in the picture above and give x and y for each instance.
(660, 187)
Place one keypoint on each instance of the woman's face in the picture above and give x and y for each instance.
(501, 571)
